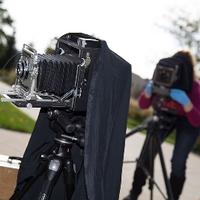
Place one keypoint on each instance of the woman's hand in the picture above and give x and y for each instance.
(148, 89)
(182, 98)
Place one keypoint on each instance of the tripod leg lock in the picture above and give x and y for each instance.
(54, 165)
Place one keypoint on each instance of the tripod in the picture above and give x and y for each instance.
(70, 130)
(161, 122)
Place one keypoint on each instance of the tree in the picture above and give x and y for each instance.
(187, 31)
(51, 46)
(7, 36)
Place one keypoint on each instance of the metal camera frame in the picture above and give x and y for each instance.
(160, 87)
(30, 97)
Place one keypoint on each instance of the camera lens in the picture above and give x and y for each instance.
(22, 69)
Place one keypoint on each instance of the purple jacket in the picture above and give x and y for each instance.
(193, 116)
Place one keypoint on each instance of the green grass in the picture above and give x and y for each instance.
(132, 122)
(13, 119)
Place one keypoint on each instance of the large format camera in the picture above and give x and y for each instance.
(170, 73)
(55, 80)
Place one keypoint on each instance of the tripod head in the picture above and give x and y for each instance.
(70, 127)
(163, 121)
(142, 126)
(159, 121)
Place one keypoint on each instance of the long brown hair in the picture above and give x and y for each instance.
(187, 58)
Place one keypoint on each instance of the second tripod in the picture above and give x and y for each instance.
(158, 127)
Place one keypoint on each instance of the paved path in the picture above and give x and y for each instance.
(13, 143)
(132, 150)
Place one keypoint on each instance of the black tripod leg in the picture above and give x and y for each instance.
(69, 177)
(146, 164)
(164, 170)
(18, 194)
(53, 172)
(147, 159)
(152, 153)
(143, 155)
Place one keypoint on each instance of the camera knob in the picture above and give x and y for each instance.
(70, 128)
(29, 105)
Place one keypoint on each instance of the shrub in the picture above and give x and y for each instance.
(136, 112)
(8, 76)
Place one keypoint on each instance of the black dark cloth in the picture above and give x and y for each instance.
(99, 169)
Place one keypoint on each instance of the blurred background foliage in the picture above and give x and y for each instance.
(7, 36)
(10, 116)
(7, 46)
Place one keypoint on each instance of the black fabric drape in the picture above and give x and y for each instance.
(106, 125)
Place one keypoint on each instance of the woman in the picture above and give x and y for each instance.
(187, 130)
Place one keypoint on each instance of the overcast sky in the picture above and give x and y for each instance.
(130, 27)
